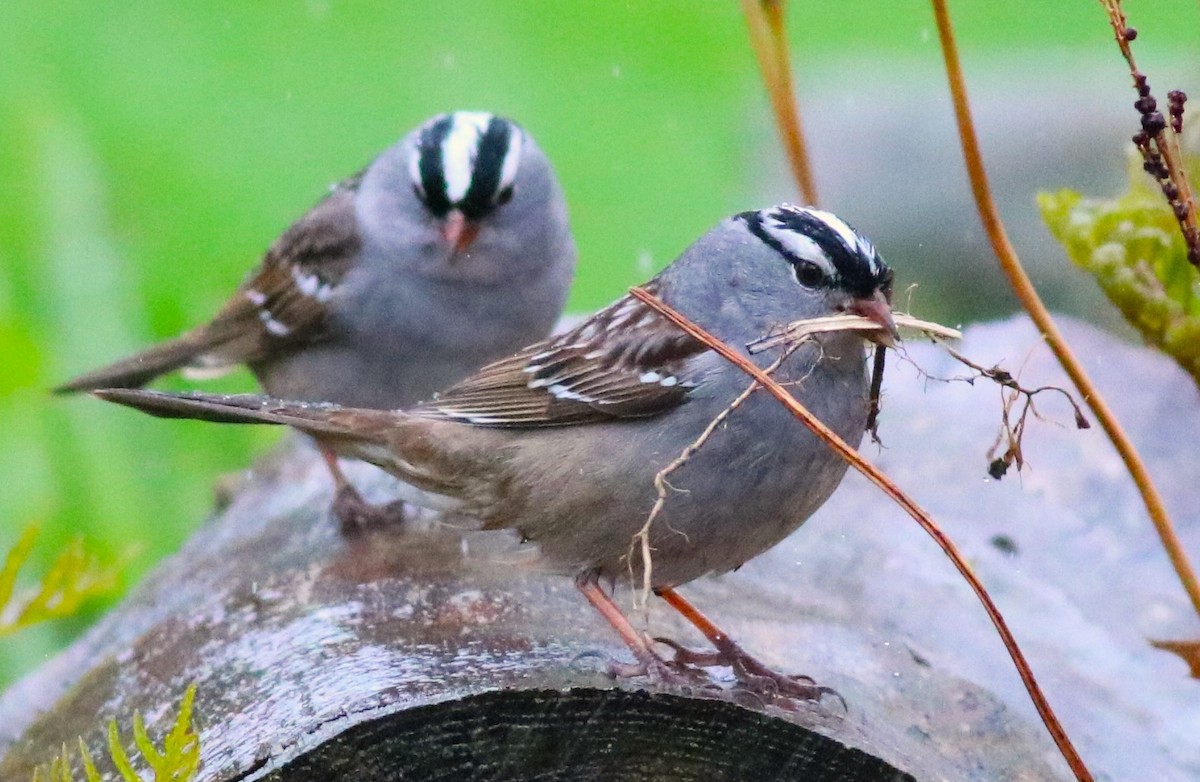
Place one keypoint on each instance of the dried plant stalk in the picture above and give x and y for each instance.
(768, 37)
(800, 328)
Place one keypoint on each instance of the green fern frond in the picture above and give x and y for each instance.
(17, 556)
(74, 578)
(180, 758)
(177, 761)
(117, 753)
(89, 768)
(59, 769)
(1134, 249)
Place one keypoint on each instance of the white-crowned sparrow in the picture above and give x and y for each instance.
(449, 250)
(563, 440)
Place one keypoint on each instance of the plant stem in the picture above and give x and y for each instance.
(768, 37)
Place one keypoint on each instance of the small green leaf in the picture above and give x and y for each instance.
(180, 758)
(1134, 249)
(144, 744)
(13, 563)
(117, 753)
(89, 768)
(63, 771)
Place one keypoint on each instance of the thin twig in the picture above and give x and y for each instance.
(1012, 434)
(802, 328)
(1010, 391)
(1021, 284)
(1002, 377)
(875, 395)
(873, 474)
(768, 37)
(641, 539)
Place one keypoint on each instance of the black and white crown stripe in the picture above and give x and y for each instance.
(460, 147)
(805, 235)
(464, 160)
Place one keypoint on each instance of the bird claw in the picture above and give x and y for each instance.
(356, 516)
(785, 690)
(652, 667)
(662, 671)
(590, 654)
(686, 656)
(751, 674)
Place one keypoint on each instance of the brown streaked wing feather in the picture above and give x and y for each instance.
(281, 305)
(625, 361)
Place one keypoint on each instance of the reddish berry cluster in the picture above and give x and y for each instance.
(1162, 161)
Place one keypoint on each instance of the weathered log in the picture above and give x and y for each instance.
(428, 653)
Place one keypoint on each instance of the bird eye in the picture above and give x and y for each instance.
(886, 287)
(418, 192)
(808, 274)
(504, 196)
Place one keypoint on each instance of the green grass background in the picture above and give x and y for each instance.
(150, 150)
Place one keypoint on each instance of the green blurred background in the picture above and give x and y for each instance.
(150, 151)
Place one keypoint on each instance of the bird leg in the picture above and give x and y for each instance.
(354, 514)
(750, 672)
(648, 662)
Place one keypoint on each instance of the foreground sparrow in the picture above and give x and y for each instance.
(451, 249)
(563, 440)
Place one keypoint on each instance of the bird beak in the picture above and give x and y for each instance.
(459, 233)
(878, 310)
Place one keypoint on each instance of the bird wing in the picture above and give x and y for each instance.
(283, 302)
(626, 361)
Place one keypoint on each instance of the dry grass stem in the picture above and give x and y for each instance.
(768, 37)
(873, 474)
(1023, 287)
(802, 328)
(875, 395)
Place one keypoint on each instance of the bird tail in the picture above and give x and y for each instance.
(430, 467)
(321, 420)
(139, 369)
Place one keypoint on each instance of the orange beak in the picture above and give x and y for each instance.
(459, 233)
(878, 310)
